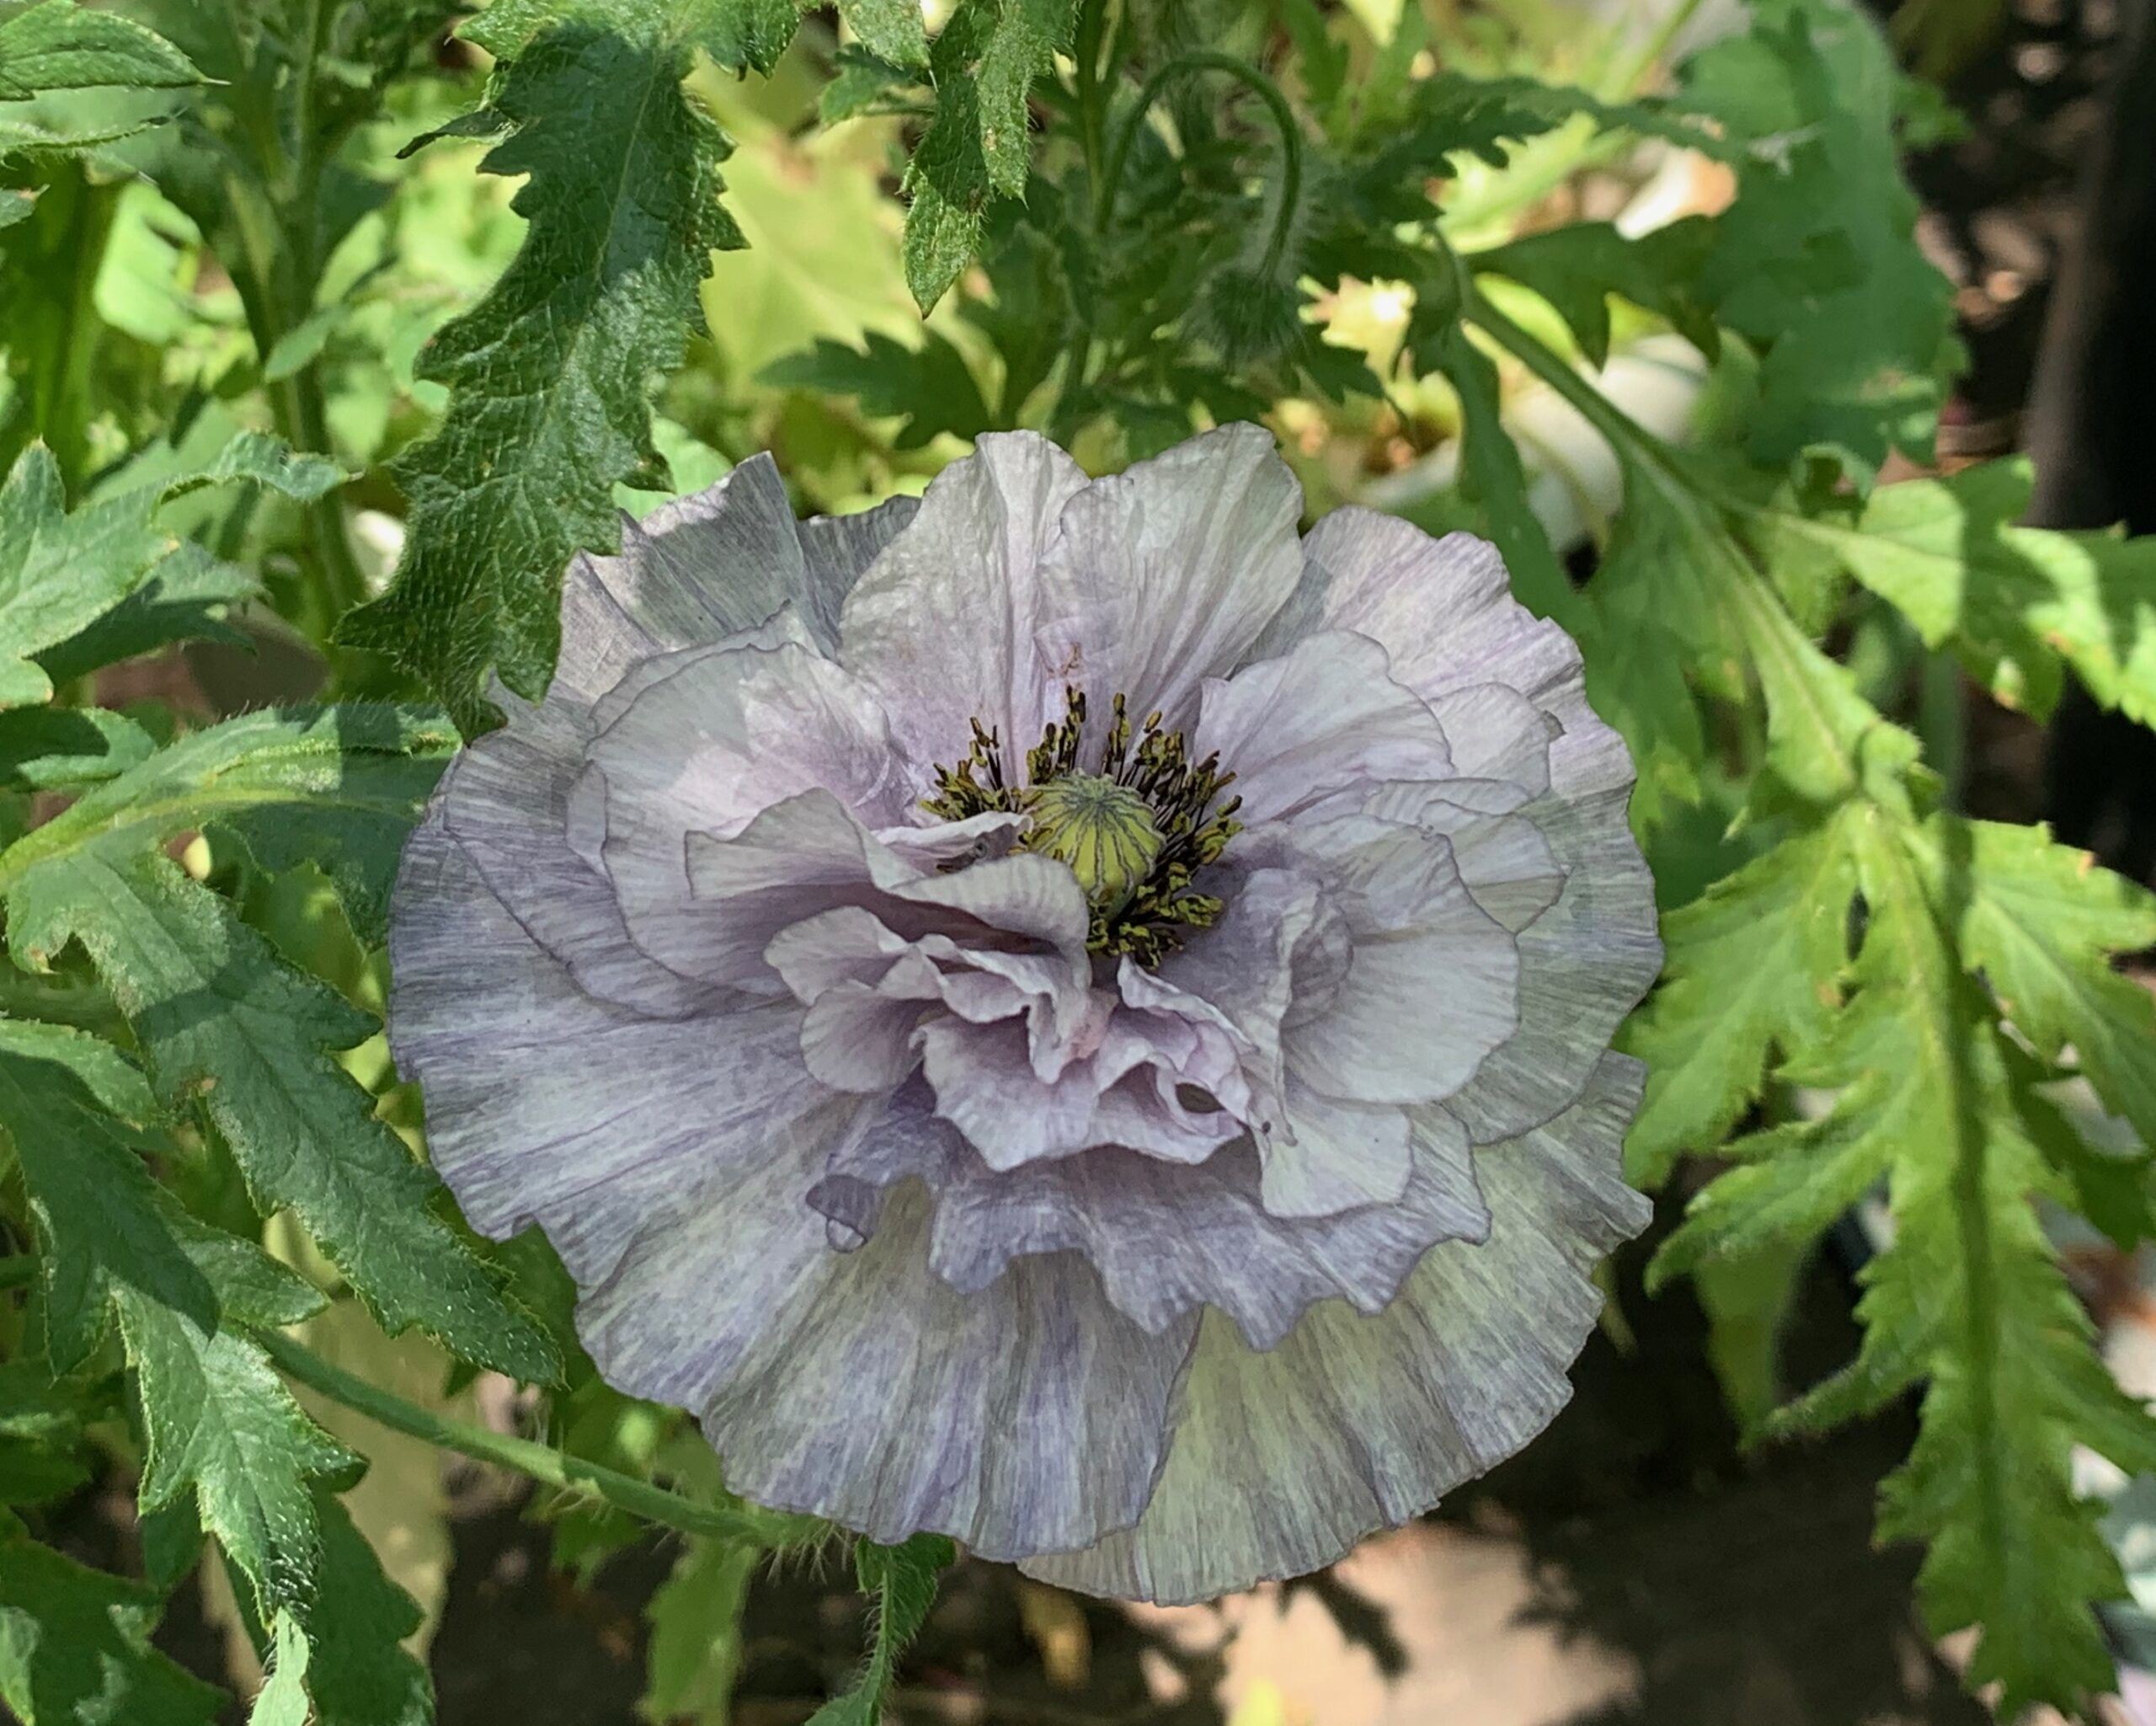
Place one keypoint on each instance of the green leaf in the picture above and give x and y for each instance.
(62, 571)
(49, 749)
(219, 1423)
(224, 1022)
(694, 1652)
(1816, 262)
(979, 144)
(890, 29)
(2041, 922)
(1754, 966)
(59, 572)
(1967, 1297)
(75, 1646)
(901, 1582)
(930, 385)
(187, 598)
(358, 1673)
(75, 1108)
(547, 375)
(1577, 268)
(2014, 603)
(59, 46)
(336, 787)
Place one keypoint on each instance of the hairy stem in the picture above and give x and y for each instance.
(541, 1462)
(1283, 120)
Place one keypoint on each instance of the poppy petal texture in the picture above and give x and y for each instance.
(1060, 1013)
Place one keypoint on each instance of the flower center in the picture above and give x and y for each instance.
(1102, 830)
(1135, 832)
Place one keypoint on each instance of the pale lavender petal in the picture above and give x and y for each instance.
(1432, 987)
(1165, 575)
(1504, 860)
(1496, 733)
(1585, 962)
(708, 749)
(1320, 720)
(1167, 1238)
(702, 567)
(942, 624)
(839, 550)
(1285, 1458)
(1333, 1156)
(1444, 612)
(546, 1106)
(861, 1387)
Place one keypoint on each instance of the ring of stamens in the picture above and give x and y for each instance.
(1136, 830)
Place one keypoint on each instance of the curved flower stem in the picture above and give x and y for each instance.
(1283, 120)
(541, 1463)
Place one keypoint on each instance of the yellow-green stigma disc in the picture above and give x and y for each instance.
(1103, 831)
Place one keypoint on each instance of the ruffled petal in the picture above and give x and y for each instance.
(1356, 1422)
(861, 1387)
(671, 1163)
(708, 748)
(1314, 723)
(545, 1106)
(837, 551)
(1165, 574)
(704, 567)
(1432, 987)
(1165, 1238)
(1445, 614)
(941, 625)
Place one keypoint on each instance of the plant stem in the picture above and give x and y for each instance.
(1283, 120)
(17, 1269)
(541, 1462)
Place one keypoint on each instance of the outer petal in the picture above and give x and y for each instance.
(1443, 612)
(1283, 1460)
(863, 1388)
(707, 748)
(1322, 719)
(942, 624)
(670, 1164)
(697, 570)
(1165, 1239)
(546, 1106)
(1166, 573)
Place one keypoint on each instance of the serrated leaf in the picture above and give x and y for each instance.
(59, 46)
(901, 1583)
(75, 1646)
(2041, 922)
(931, 385)
(76, 1109)
(890, 29)
(62, 571)
(222, 1021)
(187, 597)
(979, 144)
(547, 375)
(1816, 262)
(50, 749)
(2013, 602)
(1966, 1298)
(219, 1423)
(358, 1674)
(1752, 966)
(1578, 267)
(336, 787)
